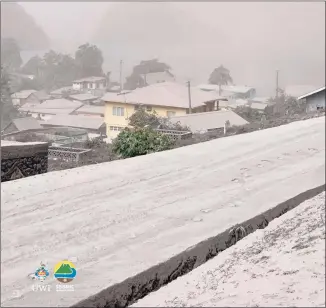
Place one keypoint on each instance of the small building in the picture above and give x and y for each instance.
(50, 108)
(89, 83)
(314, 100)
(260, 107)
(22, 125)
(63, 92)
(85, 98)
(94, 111)
(166, 99)
(95, 126)
(230, 91)
(209, 121)
(152, 78)
(23, 97)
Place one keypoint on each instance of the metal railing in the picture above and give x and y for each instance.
(176, 134)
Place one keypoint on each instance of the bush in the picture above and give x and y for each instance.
(141, 118)
(94, 143)
(140, 141)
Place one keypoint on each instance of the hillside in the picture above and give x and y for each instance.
(17, 24)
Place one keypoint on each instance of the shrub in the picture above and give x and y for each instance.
(94, 143)
(142, 118)
(140, 141)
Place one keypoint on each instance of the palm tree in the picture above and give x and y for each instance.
(220, 76)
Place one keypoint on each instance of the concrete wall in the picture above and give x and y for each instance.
(316, 101)
(19, 160)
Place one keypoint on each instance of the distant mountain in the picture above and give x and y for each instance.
(18, 24)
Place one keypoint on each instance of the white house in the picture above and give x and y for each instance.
(89, 83)
(314, 100)
(152, 78)
(231, 91)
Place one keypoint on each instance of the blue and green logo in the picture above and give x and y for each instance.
(65, 271)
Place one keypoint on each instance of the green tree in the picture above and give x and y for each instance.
(140, 141)
(136, 80)
(10, 54)
(89, 60)
(142, 118)
(220, 76)
(54, 70)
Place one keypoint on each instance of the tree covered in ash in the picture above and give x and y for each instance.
(55, 70)
(136, 79)
(221, 77)
(7, 110)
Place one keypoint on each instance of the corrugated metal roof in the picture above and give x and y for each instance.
(299, 90)
(60, 90)
(89, 109)
(311, 93)
(258, 106)
(201, 122)
(152, 78)
(53, 106)
(167, 94)
(42, 95)
(75, 121)
(83, 97)
(23, 124)
(23, 94)
(225, 89)
(90, 79)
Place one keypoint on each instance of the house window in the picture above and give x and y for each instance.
(170, 113)
(118, 111)
(137, 107)
(116, 128)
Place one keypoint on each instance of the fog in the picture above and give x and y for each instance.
(251, 39)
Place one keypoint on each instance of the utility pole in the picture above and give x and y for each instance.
(277, 84)
(121, 85)
(189, 97)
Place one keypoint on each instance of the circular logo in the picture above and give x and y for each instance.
(41, 273)
(65, 271)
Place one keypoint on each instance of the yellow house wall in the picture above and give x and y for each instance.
(122, 121)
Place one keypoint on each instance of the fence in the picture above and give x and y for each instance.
(68, 154)
(176, 134)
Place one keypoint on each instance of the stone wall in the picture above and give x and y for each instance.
(19, 160)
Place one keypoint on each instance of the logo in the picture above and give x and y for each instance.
(41, 273)
(65, 271)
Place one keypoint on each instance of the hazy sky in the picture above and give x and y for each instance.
(251, 39)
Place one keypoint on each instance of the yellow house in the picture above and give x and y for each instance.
(166, 99)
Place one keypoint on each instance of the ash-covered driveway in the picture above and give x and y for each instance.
(280, 266)
(123, 217)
